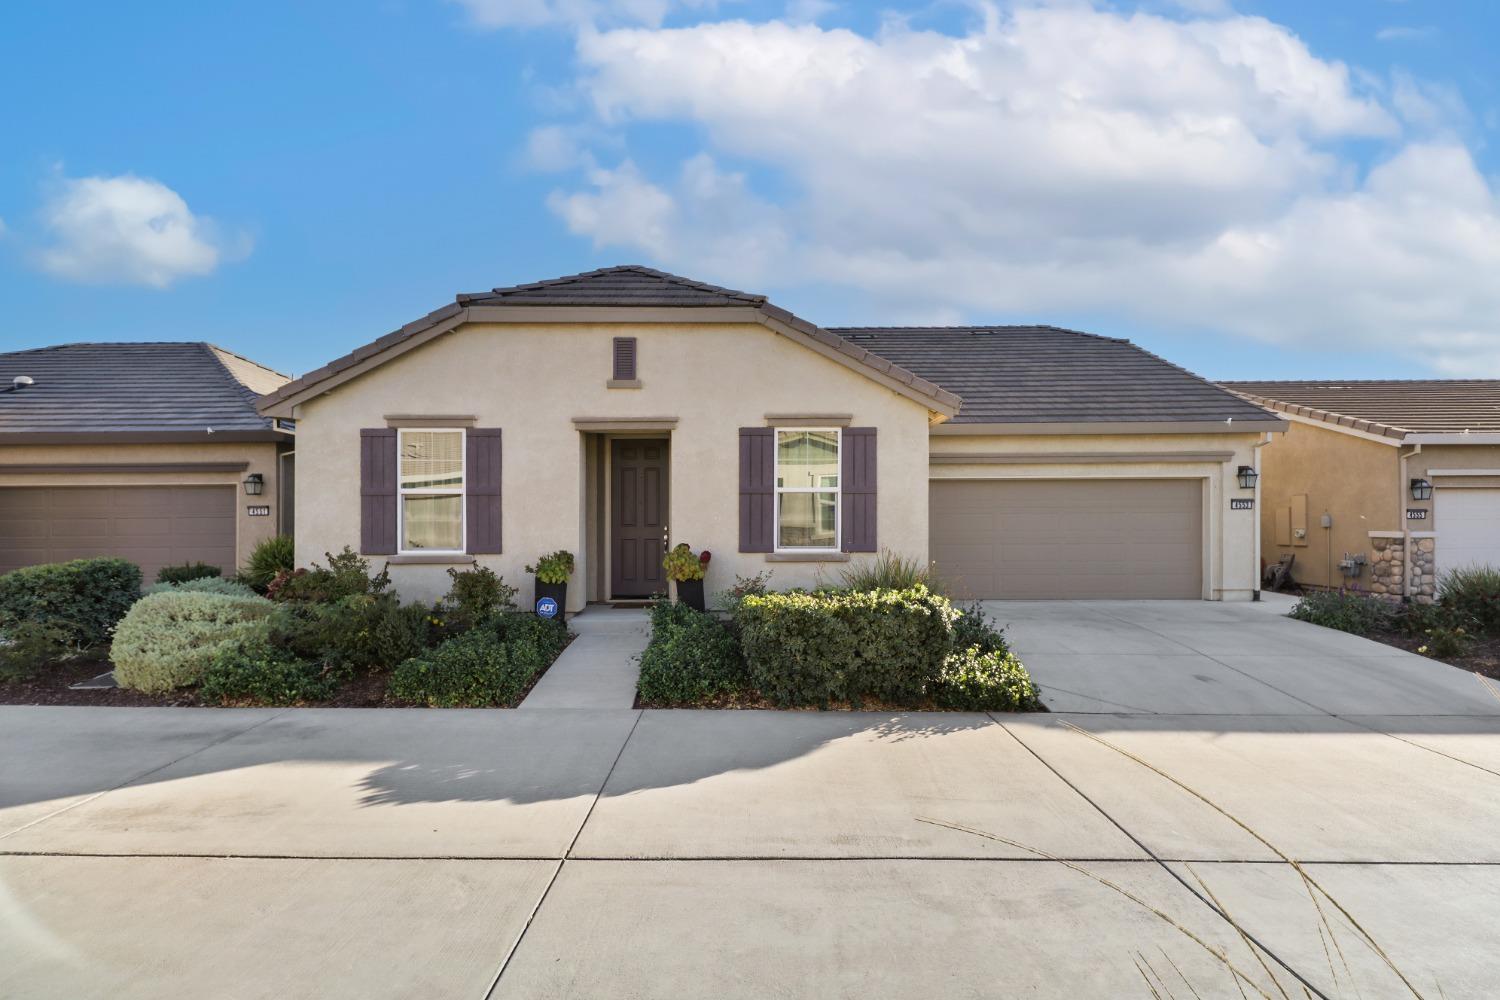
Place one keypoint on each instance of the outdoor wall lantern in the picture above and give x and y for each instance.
(1248, 476)
(254, 483)
(1421, 489)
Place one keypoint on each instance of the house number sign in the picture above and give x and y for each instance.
(258, 511)
(1237, 504)
(1416, 514)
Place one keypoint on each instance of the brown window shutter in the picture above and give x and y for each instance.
(624, 359)
(482, 489)
(757, 489)
(377, 491)
(858, 515)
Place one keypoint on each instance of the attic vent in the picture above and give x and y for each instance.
(624, 359)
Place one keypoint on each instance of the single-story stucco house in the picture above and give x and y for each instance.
(149, 451)
(616, 412)
(1381, 485)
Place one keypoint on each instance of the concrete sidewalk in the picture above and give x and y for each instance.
(598, 670)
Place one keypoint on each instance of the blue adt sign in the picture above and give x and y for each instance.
(546, 608)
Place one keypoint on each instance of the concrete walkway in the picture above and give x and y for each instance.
(598, 670)
(185, 853)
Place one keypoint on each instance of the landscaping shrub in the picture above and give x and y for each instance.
(484, 667)
(256, 670)
(83, 598)
(977, 680)
(268, 558)
(203, 585)
(1472, 595)
(973, 628)
(26, 648)
(475, 596)
(167, 640)
(691, 656)
(744, 586)
(1445, 643)
(186, 572)
(1361, 614)
(356, 633)
(887, 571)
(346, 575)
(815, 648)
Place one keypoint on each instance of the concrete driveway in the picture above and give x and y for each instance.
(580, 853)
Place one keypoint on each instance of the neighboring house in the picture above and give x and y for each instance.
(619, 411)
(1383, 485)
(138, 450)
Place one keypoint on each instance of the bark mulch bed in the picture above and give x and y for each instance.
(1483, 656)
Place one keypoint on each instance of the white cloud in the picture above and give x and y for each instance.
(1184, 172)
(1402, 33)
(126, 229)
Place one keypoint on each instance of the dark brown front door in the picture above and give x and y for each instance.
(638, 501)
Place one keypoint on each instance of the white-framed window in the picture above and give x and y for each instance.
(807, 489)
(430, 480)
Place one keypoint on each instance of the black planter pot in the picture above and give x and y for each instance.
(690, 592)
(557, 594)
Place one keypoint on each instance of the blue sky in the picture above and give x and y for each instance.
(1250, 189)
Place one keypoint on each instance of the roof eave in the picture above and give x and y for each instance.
(1112, 427)
(1337, 421)
(142, 437)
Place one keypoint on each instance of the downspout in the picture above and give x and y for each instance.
(1255, 557)
(1405, 531)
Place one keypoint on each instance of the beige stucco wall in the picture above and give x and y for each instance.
(261, 457)
(1230, 567)
(1352, 479)
(534, 380)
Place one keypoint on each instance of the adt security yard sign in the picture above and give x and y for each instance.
(546, 607)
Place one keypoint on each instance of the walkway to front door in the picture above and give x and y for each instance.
(599, 668)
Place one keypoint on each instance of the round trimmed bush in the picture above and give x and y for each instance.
(203, 585)
(167, 640)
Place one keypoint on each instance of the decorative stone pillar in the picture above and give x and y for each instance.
(1423, 580)
(1387, 567)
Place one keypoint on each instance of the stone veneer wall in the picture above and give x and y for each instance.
(1423, 586)
(1387, 567)
(1391, 564)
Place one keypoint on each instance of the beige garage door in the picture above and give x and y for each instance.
(1081, 539)
(152, 526)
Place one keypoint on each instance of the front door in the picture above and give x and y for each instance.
(638, 518)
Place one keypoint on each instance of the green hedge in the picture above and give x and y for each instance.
(977, 680)
(167, 640)
(257, 671)
(816, 648)
(691, 657)
(187, 572)
(83, 598)
(1471, 596)
(488, 666)
(203, 585)
(1360, 614)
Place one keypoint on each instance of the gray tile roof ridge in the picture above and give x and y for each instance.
(249, 395)
(249, 361)
(976, 328)
(1360, 381)
(749, 298)
(1324, 415)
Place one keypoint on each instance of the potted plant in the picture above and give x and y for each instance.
(552, 572)
(687, 571)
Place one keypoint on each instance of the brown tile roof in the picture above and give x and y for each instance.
(1045, 374)
(170, 387)
(1386, 406)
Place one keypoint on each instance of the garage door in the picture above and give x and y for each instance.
(1468, 526)
(152, 526)
(1080, 539)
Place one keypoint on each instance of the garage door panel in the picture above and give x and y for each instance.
(1084, 539)
(152, 526)
(1468, 527)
